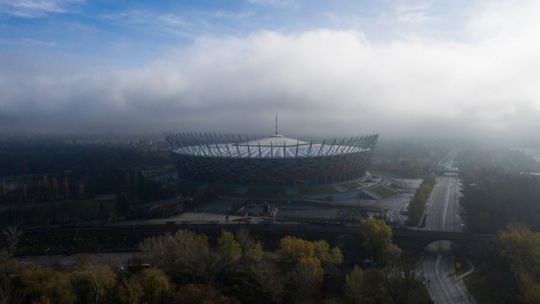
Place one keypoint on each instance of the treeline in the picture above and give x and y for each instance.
(100, 168)
(188, 268)
(418, 202)
(508, 271)
(49, 202)
(408, 158)
(494, 197)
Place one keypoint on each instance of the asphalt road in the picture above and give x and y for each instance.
(442, 214)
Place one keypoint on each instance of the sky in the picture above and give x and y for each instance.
(426, 68)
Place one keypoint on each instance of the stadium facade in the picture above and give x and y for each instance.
(274, 161)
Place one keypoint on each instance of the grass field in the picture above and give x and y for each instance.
(383, 191)
(350, 186)
(323, 190)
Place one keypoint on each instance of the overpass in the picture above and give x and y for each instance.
(412, 237)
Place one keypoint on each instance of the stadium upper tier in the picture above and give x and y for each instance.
(275, 146)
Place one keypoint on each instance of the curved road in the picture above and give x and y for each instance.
(442, 214)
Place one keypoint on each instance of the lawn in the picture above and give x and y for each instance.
(317, 190)
(383, 191)
(350, 186)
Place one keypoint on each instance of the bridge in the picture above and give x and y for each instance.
(417, 238)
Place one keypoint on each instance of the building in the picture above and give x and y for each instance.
(271, 161)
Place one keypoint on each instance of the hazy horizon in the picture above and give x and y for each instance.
(433, 69)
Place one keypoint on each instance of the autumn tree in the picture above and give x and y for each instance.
(155, 286)
(292, 249)
(129, 290)
(520, 248)
(376, 237)
(94, 283)
(48, 286)
(354, 285)
(185, 256)
(251, 250)
(228, 247)
(199, 293)
(305, 279)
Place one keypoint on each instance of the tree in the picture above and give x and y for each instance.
(129, 290)
(47, 286)
(270, 280)
(9, 294)
(124, 203)
(520, 249)
(155, 285)
(93, 283)
(228, 247)
(25, 193)
(185, 256)
(291, 249)
(251, 250)
(11, 236)
(402, 281)
(82, 191)
(354, 284)
(55, 190)
(45, 185)
(198, 293)
(10, 272)
(376, 236)
(305, 279)
(65, 187)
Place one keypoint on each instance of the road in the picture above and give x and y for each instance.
(442, 214)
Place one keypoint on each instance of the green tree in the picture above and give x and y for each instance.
(229, 247)
(251, 250)
(354, 285)
(376, 236)
(305, 279)
(155, 286)
(292, 249)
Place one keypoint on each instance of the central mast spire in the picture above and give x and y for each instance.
(276, 125)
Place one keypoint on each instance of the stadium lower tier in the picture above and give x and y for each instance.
(274, 171)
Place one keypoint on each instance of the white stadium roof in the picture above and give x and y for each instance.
(275, 146)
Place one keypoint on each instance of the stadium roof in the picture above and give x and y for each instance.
(275, 146)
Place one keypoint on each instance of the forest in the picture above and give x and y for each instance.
(187, 267)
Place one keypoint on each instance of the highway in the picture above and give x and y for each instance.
(442, 214)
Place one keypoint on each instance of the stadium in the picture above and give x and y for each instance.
(270, 161)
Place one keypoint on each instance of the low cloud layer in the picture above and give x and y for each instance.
(320, 82)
